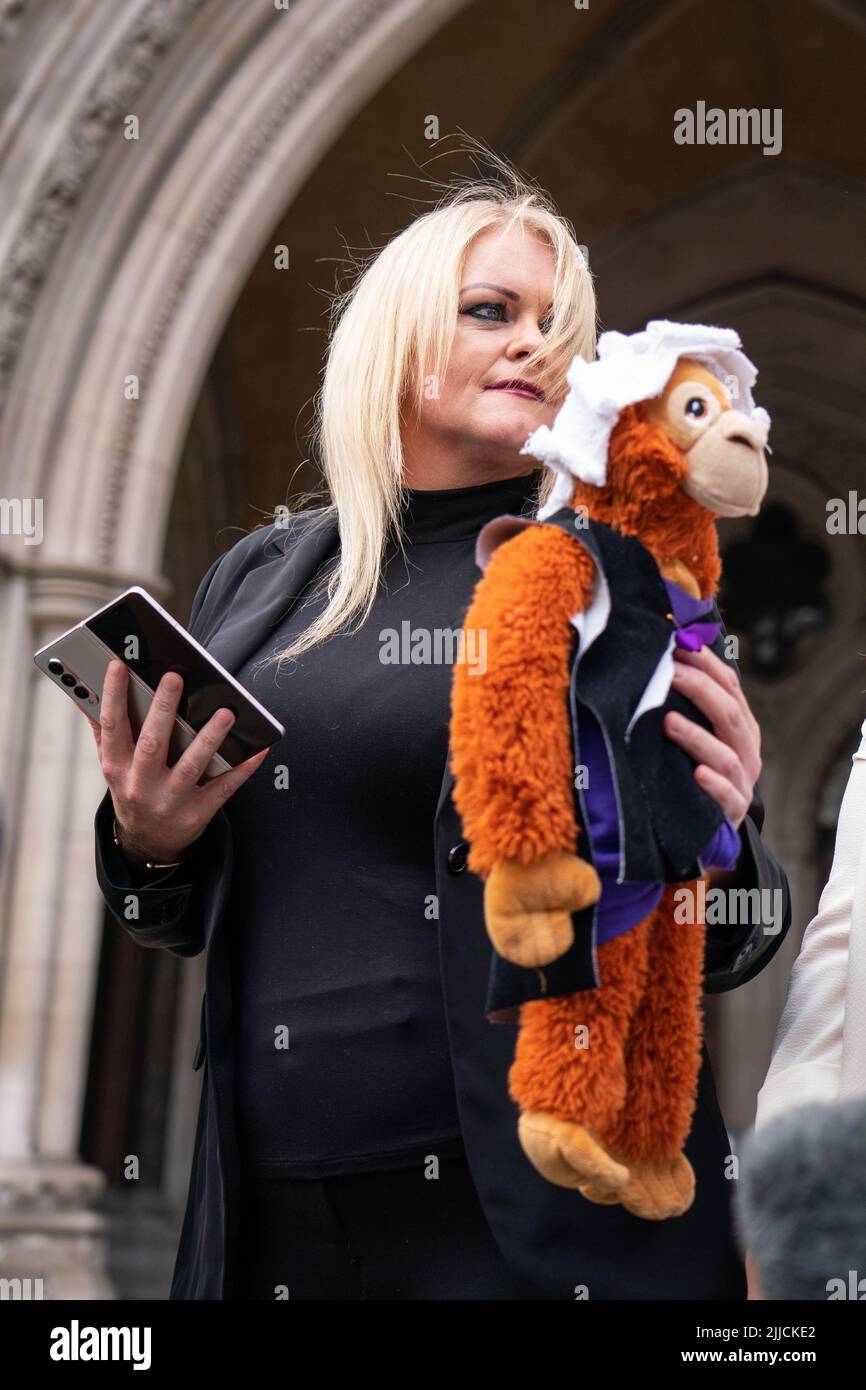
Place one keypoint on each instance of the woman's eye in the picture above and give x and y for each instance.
(500, 310)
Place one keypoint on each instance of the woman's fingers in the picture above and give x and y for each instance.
(194, 760)
(715, 688)
(151, 747)
(729, 759)
(151, 796)
(115, 742)
(218, 790)
(720, 771)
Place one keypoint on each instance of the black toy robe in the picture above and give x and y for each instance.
(665, 818)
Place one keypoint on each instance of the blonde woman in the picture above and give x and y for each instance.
(355, 1137)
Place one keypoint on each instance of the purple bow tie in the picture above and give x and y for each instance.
(696, 635)
(692, 616)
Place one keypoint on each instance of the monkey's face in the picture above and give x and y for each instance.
(723, 447)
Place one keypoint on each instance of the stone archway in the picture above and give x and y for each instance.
(121, 260)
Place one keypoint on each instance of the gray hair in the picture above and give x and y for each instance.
(801, 1201)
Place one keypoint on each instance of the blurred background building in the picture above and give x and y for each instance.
(179, 181)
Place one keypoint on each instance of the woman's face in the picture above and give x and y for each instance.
(470, 428)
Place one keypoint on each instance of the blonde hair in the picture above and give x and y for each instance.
(391, 331)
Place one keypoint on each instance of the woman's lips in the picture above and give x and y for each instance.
(515, 391)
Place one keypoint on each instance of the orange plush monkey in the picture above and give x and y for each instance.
(583, 818)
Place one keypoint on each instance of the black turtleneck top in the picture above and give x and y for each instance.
(342, 1057)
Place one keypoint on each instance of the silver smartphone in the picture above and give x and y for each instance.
(137, 629)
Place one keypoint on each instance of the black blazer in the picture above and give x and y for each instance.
(550, 1234)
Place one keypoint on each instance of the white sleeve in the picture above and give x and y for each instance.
(807, 1052)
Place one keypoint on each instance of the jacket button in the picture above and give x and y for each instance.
(457, 857)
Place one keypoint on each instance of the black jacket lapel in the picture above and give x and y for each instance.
(258, 590)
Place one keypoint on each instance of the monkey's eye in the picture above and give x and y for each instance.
(692, 407)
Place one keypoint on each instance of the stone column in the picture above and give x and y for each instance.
(49, 1230)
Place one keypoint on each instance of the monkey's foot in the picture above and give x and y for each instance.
(659, 1187)
(568, 1154)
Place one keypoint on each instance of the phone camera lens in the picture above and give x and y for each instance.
(55, 666)
(82, 692)
(69, 680)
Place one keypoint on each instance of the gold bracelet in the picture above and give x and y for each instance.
(148, 862)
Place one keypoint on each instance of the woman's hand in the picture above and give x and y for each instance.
(161, 810)
(729, 760)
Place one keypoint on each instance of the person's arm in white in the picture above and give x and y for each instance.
(812, 1053)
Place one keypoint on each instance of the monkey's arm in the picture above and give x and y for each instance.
(512, 752)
